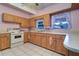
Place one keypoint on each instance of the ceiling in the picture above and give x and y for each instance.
(37, 6)
(36, 9)
(32, 7)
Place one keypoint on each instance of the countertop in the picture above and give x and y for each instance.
(71, 42)
(3, 32)
(59, 33)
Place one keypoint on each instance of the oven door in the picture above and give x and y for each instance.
(16, 38)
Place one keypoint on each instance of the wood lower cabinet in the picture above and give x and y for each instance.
(32, 37)
(44, 40)
(4, 41)
(51, 42)
(73, 53)
(26, 37)
(38, 39)
(59, 45)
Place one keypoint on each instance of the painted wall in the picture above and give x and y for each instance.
(75, 20)
(6, 9)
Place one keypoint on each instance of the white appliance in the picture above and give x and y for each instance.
(17, 37)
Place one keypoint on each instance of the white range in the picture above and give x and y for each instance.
(17, 36)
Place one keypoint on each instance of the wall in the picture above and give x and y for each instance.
(75, 20)
(7, 9)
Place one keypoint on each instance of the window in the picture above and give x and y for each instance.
(40, 24)
(61, 21)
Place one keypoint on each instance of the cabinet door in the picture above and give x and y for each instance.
(25, 23)
(9, 18)
(38, 39)
(46, 20)
(5, 41)
(59, 45)
(53, 42)
(44, 40)
(26, 36)
(50, 42)
(19, 19)
(33, 38)
(32, 23)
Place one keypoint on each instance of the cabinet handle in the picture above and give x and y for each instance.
(50, 40)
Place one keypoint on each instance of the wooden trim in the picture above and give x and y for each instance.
(5, 48)
(74, 6)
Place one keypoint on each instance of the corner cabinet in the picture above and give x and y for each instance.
(4, 41)
(25, 23)
(26, 37)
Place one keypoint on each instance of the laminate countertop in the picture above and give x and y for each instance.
(71, 42)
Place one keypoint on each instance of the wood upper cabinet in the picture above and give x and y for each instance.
(25, 23)
(4, 41)
(15, 19)
(32, 23)
(59, 45)
(46, 20)
(26, 36)
(51, 42)
(8, 18)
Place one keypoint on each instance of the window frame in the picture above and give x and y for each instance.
(67, 15)
(37, 23)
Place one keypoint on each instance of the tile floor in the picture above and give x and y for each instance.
(27, 49)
